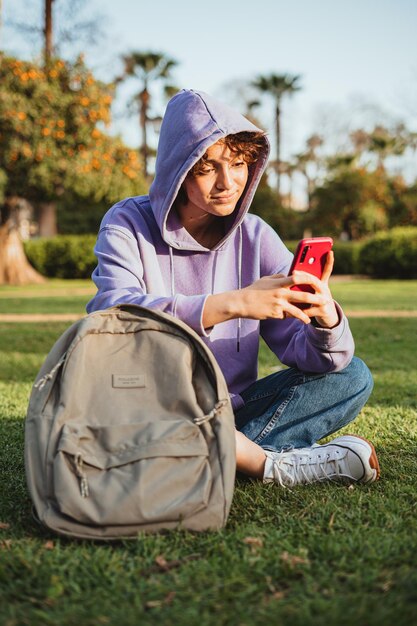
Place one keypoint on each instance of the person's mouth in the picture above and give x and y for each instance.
(224, 198)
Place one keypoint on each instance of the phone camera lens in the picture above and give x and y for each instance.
(304, 253)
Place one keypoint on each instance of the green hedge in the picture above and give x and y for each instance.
(391, 254)
(346, 257)
(63, 256)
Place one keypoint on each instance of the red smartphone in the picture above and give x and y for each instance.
(310, 256)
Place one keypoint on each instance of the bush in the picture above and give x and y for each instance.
(391, 254)
(266, 204)
(346, 257)
(79, 217)
(64, 256)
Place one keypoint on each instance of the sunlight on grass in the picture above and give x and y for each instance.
(320, 555)
(71, 296)
(376, 294)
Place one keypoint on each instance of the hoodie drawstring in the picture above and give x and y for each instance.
(171, 263)
(239, 279)
(239, 270)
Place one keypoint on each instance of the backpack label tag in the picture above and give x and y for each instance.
(121, 381)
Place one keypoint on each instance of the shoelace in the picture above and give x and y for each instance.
(302, 467)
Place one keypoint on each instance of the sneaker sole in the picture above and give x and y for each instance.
(373, 459)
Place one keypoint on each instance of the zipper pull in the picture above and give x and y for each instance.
(205, 418)
(85, 492)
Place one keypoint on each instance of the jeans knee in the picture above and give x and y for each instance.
(360, 377)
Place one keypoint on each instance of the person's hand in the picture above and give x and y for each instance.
(271, 297)
(324, 312)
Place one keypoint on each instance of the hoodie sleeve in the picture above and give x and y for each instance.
(119, 278)
(308, 347)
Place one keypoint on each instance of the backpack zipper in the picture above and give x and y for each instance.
(85, 492)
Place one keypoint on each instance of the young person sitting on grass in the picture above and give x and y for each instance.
(191, 249)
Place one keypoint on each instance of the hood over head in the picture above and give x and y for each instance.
(194, 121)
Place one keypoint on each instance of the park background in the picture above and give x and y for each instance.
(83, 87)
(85, 84)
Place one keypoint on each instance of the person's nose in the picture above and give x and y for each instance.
(224, 178)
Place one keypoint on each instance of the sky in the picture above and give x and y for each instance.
(357, 60)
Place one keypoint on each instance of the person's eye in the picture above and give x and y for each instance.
(239, 163)
(205, 170)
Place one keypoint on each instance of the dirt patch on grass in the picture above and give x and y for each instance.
(40, 317)
(49, 293)
(72, 317)
(380, 313)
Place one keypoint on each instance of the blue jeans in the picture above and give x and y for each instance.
(291, 409)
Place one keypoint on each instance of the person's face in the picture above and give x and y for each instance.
(217, 189)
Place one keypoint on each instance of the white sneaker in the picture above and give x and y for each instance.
(345, 459)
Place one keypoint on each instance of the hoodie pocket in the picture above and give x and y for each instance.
(132, 473)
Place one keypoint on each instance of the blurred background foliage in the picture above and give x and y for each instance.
(53, 139)
(61, 168)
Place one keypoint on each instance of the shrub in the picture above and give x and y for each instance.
(267, 205)
(346, 257)
(78, 216)
(391, 254)
(64, 256)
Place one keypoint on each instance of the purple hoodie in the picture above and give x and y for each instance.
(146, 257)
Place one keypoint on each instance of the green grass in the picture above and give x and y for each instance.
(54, 296)
(71, 296)
(63, 304)
(324, 555)
(23, 347)
(393, 295)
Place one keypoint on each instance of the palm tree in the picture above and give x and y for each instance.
(147, 67)
(309, 163)
(360, 140)
(386, 143)
(277, 86)
(288, 169)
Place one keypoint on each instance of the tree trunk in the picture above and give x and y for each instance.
(48, 32)
(47, 219)
(144, 105)
(278, 145)
(15, 269)
(310, 191)
(290, 190)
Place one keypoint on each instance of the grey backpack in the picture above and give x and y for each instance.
(129, 429)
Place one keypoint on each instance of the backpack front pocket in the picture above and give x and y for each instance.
(131, 473)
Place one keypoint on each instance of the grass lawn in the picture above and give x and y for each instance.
(398, 295)
(321, 555)
(55, 296)
(71, 296)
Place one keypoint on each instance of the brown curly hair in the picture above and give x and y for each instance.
(249, 145)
